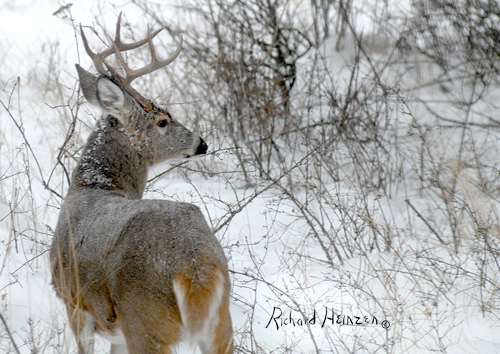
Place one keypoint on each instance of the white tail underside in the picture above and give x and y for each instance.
(207, 328)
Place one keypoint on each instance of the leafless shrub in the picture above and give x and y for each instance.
(459, 35)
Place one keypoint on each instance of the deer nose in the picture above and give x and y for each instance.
(202, 148)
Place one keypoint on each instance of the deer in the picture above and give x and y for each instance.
(145, 274)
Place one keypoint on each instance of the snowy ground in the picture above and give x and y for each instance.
(415, 297)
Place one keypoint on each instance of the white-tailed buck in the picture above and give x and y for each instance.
(144, 274)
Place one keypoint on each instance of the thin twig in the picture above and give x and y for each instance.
(425, 221)
(9, 333)
(28, 145)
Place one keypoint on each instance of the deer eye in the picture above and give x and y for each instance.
(162, 123)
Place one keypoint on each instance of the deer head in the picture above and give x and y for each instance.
(151, 129)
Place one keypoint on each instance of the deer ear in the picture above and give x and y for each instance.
(105, 94)
(112, 98)
(88, 84)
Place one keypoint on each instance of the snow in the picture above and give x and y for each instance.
(417, 296)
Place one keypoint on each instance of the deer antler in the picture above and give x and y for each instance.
(117, 47)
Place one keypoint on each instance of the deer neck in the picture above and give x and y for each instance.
(111, 162)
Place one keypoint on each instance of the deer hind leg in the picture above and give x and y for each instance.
(204, 309)
(149, 324)
(83, 326)
(224, 330)
(222, 340)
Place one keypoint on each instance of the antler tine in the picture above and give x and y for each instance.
(96, 58)
(154, 64)
(127, 46)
